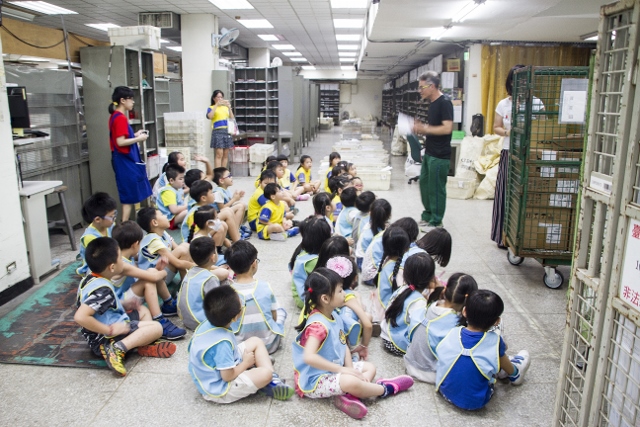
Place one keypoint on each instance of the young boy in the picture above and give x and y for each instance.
(288, 180)
(106, 326)
(170, 199)
(202, 192)
(225, 199)
(199, 280)
(221, 369)
(258, 200)
(263, 317)
(157, 245)
(273, 222)
(344, 222)
(100, 212)
(140, 285)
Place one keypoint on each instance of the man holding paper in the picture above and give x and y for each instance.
(436, 160)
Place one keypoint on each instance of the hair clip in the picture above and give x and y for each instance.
(115, 103)
(341, 265)
(310, 290)
(413, 288)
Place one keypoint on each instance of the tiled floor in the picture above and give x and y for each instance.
(161, 392)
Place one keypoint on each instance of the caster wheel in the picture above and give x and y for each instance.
(514, 260)
(553, 281)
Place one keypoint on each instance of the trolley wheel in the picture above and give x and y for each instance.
(514, 260)
(554, 280)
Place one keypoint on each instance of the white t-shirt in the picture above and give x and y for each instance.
(504, 109)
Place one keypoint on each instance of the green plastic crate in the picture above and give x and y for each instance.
(457, 134)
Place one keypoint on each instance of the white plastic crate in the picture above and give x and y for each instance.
(142, 36)
(461, 188)
(240, 154)
(375, 179)
(255, 169)
(258, 153)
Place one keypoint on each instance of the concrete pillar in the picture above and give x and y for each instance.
(199, 58)
(259, 57)
(473, 87)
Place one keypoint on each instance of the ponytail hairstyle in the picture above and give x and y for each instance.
(334, 155)
(337, 183)
(459, 286)
(346, 268)
(409, 225)
(379, 216)
(269, 159)
(483, 309)
(333, 246)
(200, 218)
(172, 159)
(321, 281)
(395, 243)
(338, 170)
(120, 92)
(314, 232)
(320, 202)
(437, 243)
(419, 271)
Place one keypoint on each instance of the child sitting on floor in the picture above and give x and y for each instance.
(337, 184)
(108, 329)
(437, 243)
(334, 159)
(344, 222)
(225, 199)
(100, 212)
(321, 357)
(207, 224)
(303, 175)
(170, 199)
(273, 223)
(467, 378)
(200, 279)
(379, 216)
(361, 215)
(258, 199)
(396, 243)
(322, 208)
(223, 370)
(288, 180)
(262, 317)
(443, 314)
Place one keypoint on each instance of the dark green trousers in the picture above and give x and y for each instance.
(433, 188)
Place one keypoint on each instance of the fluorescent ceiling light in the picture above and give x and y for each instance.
(349, 4)
(44, 7)
(348, 47)
(176, 48)
(299, 59)
(17, 14)
(440, 33)
(347, 54)
(591, 39)
(268, 37)
(348, 37)
(308, 67)
(164, 41)
(347, 67)
(292, 53)
(466, 10)
(347, 23)
(255, 23)
(103, 27)
(231, 4)
(347, 59)
(283, 46)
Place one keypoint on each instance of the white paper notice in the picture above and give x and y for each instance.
(405, 124)
(446, 80)
(574, 106)
(630, 281)
(457, 113)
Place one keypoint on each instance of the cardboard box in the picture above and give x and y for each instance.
(549, 135)
(159, 63)
(553, 185)
(548, 228)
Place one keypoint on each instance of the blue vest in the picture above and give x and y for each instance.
(226, 194)
(261, 295)
(184, 227)
(438, 328)
(413, 249)
(400, 335)
(162, 181)
(165, 209)
(299, 274)
(190, 202)
(334, 349)
(343, 227)
(113, 315)
(384, 283)
(122, 285)
(89, 231)
(485, 355)
(352, 326)
(207, 378)
(191, 296)
(376, 249)
(146, 259)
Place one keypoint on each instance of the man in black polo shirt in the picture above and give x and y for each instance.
(435, 164)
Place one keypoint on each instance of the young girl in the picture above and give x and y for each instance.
(395, 242)
(321, 358)
(314, 231)
(177, 158)
(344, 221)
(334, 159)
(288, 180)
(322, 208)
(352, 171)
(361, 215)
(131, 173)
(206, 222)
(407, 305)
(445, 305)
(303, 175)
(437, 243)
(333, 246)
(357, 322)
(337, 184)
(358, 184)
(466, 378)
(378, 218)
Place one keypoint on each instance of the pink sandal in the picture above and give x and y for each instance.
(401, 383)
(350, 405)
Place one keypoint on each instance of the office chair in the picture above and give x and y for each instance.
(416, 153)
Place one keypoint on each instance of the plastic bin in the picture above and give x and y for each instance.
(375, 179)
(142, 36)
(240, 155)
(255, 169)
(461, 188)
(239, 169)
(258, 153)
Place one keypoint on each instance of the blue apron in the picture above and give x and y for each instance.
(131, 172)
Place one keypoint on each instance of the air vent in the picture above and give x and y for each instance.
(165, 20)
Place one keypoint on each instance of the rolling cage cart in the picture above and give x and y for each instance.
(545, 157)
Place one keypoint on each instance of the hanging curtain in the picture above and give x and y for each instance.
(498, 60)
